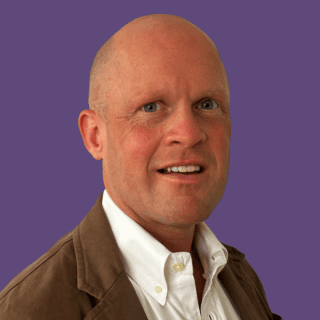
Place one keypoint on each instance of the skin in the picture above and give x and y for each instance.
(166, 61)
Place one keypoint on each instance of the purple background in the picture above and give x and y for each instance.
(271, 54)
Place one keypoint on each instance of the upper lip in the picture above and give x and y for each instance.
(184, 163)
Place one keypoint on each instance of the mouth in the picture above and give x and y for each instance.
(183, 178)
(164, 171)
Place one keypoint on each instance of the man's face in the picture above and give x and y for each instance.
(170, 103)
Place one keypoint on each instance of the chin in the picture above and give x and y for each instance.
(185, 215)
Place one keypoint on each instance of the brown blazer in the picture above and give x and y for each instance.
(82, 277)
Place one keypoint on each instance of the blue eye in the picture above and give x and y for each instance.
(209, 104)
(150, 107)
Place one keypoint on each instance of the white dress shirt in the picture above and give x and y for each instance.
(164, 280)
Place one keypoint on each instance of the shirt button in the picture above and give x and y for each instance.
(158, 289)
(178, 266)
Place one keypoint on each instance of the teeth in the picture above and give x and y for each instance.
(183, 169)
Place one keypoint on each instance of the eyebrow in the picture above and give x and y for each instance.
(213, 92)
(154, 95)
(143, 95)
(216, 91)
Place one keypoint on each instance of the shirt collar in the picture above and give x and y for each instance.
(146, 260)
(212, 253)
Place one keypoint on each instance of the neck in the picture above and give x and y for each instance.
(176, 240)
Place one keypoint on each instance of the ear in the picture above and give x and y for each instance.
(92, 130)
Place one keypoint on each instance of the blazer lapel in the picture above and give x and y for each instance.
(100, 271)
(239, 298)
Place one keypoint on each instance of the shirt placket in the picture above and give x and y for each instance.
(182, 286)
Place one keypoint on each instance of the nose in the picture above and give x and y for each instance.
(184, 127)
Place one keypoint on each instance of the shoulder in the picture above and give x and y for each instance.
(44, 286)
(245, 275)
(241, 267)
(239, 275)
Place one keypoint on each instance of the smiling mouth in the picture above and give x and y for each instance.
(163, 171)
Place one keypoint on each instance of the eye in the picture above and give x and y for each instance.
(209, 104)
(150, 107)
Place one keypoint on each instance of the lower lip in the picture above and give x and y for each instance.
(181, 178)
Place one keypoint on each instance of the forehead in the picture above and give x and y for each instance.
(159, 71)
(163, 62)
(173, 84)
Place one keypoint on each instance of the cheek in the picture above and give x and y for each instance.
(139, 144)
(223, 139)
(221, 142)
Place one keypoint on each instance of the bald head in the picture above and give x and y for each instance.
(161, 87)
(144, 34)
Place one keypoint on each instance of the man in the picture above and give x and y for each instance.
(159, 119)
